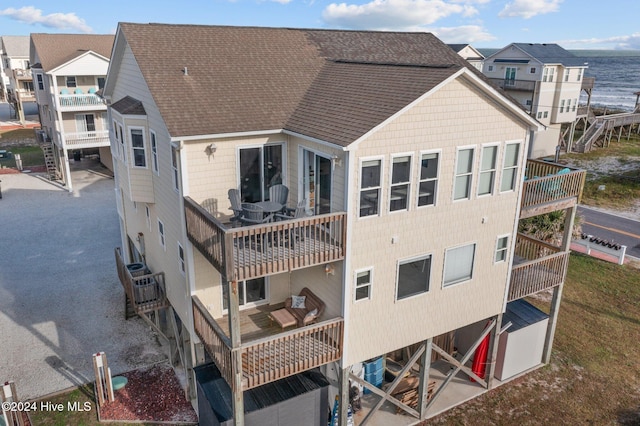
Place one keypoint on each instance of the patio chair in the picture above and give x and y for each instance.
(78, 91)
(296, 234)
(236, 205)
(92, 90)
(254, 215)
(299, 211)
(279, 194)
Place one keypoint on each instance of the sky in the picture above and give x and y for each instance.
(574, 24)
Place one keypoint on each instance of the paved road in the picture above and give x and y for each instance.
(612, 228)
(60, 299)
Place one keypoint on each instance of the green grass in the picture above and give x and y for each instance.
(594, 374)
(31, 156)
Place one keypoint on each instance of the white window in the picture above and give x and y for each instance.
(71, 81)
(400, 178)
(370, 185)
(580, 71)
(428, 184)
(413, 277)
(532, 70)
(547, 74)
(566, 75)
(562, 106)
(137, 145)
(490, 68)
(458, 264)
(575, 103)
(487, 170)
(181, 266)
(545, 114)
(464, 171)
(174, 168)
(501, 249)
(250, 293)
(161, 234)
(154, 152)
(363, 284)
(510, 168)
(40, 81)
(539, 115)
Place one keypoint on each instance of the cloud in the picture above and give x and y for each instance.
(395, 14)
(618, 42)
(32, 16)
(463, 34)
(529, 8)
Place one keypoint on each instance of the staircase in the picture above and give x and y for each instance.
(49, 159)
(591, 135)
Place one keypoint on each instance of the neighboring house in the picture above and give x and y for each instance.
(547, 80)
(16, 66)
(68, 71)
(410, 173)
(470, 53)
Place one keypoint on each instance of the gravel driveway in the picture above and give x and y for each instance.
(60, 298)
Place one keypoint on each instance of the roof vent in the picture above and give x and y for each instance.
(185, 71)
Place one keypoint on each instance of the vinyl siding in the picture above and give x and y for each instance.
(382, 324)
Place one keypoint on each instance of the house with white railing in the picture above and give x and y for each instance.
(547, 81)
(17, 84)
(68, 72)
(315, 218)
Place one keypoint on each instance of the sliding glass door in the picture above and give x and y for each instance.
(260, 168)
(251, 293)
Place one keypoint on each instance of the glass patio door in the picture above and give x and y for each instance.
(260, 168)
(510, 76)
(316, 182)
(251, 293)
(86, 123)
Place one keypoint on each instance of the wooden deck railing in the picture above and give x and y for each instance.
(254, 251)
(146, 292)
(544, 185)
(274, 357)
(542, 266)
(215, 342)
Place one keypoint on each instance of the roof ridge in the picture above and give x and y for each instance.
(396, 64)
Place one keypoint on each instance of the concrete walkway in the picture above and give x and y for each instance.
(60, 298)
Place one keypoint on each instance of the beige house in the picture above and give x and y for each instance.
(409, 173)
(68, 72)
(470, 53)
(17, 83)
(547, 81)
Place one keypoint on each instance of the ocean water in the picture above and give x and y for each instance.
(617, 74)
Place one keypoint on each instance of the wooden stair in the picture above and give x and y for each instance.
(50, 162)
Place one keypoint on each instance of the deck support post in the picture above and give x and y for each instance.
(233, 302)
(493, 351)
(570, 215)
(343, 401)
(425, 366)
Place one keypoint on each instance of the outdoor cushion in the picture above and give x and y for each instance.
(297, 302)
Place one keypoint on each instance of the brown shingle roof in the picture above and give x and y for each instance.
(332, 85)
(57, 49)
(129, 106)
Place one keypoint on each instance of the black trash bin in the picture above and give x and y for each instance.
(77, 155)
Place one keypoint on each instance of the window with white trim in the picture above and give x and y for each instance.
(547, 74)
(545, 114)
(161, 234)
(458, 264)
(532, 70)
(566, 75)
(490, 68)
(428, 185)
(148, 215)
(363, 284)
(562, 106)
(510, 167)
(464, 171)
(400, 180)
(370, 187)
(71, 81)
(575, 103)
(487, 170)
(137, 145)
(154, 152)
(40, 81)
(414, 276)
(580, 71)
(502, 245)
(174, 169)
(181, 264)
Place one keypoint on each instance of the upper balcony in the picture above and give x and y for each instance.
(588, 83)
(92, 139)
(80, 102)
(20, 74)
(145, 290)
(537, 266)
(255, 251)
(549, 186)
(520, 85)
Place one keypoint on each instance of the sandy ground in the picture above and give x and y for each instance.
(60, 298)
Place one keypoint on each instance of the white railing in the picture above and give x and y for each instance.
(80, 101)
(93, 139)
